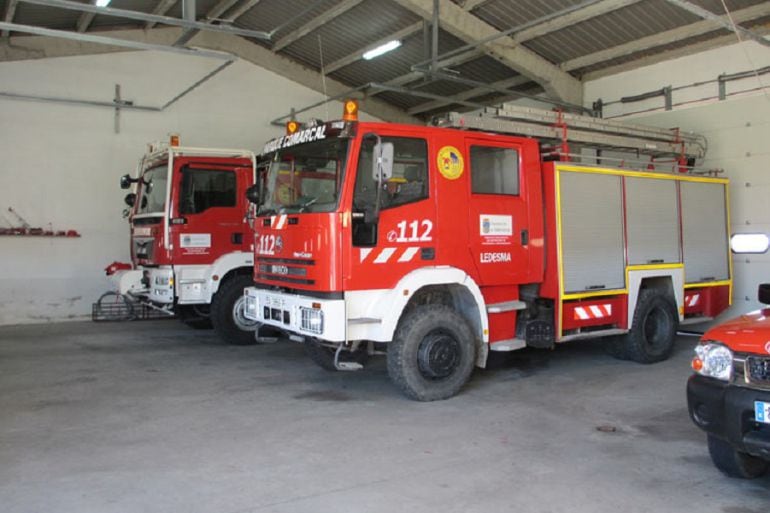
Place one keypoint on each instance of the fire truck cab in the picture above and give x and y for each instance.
(190, 240)
(437, 245)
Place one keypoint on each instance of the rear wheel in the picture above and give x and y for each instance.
(653, 330)
(734, 463)
(227, 314)
(432, 354)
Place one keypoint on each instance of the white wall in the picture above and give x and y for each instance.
(738, 130)
(61, 163)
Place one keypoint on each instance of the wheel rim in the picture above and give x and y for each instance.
(439, 355)
(655, 329)
(239, 319)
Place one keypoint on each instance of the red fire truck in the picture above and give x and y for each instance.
(439, 244)
(190, 241)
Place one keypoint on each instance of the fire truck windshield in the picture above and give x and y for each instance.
(305, 178)
(152, 191)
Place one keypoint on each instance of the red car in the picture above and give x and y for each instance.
(729, 395)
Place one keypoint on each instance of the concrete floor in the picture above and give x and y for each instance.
(153, 416)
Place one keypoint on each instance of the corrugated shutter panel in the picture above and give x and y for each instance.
(592, 231)
(704, 231)
(652, 221)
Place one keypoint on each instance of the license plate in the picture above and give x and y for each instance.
(762, 412)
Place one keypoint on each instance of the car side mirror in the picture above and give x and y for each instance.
(130, 199)
(252, 194)
(382, 162)
(763, 294)
(126, 181)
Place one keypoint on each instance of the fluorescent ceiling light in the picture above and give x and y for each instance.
(756, 243)
(387, 47)
(102, 3)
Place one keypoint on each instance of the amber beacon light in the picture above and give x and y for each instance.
(351, 110)
(291, 127)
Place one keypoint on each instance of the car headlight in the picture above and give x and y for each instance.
(713, 360)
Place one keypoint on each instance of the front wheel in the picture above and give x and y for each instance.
(432, 354)
(227, 314)
(734, 463)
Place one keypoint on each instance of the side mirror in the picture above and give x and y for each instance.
(763, 294)
(252, 194)
(382, 162)
(126, 181)
(130, 199)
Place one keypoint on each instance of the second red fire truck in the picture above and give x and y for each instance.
(190, 240)
(437, 245)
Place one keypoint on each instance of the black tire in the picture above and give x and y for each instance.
(653, 330)
(734, 463)
(323, 356)
(432, 354)
(229, 323)
(196, 317)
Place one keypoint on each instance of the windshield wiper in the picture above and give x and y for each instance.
(266, 212)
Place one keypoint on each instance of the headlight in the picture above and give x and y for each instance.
(251, 307)
(713, 360)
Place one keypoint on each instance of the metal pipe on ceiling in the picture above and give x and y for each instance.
(347, 94)
(493, 89)
(117, 104)
(154, 18)
(729, 25)
(111, 41)
(480, 42)
(366, 87)
(188, 10)
(295, 17)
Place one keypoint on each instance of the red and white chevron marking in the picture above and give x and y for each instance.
(691, 301)
(278, 222)
(586, 313)
(386, 255)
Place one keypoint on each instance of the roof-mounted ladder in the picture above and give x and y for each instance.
(560, 130)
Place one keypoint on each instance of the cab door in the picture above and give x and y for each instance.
(209, 212)
(402, 239)
(499, 219)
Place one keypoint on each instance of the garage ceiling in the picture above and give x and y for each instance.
(488, 50)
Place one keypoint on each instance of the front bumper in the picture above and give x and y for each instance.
(727, 412)
(302, 315)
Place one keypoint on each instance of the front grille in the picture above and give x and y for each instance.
(143, 248)
(758, 370)
(286, 270)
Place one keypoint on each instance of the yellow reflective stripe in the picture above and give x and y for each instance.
(721, 283)
(584, 295)
(640, 174)
(652, 267)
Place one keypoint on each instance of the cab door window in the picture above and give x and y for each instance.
(203, 189)
(494, 170)
(409, 182)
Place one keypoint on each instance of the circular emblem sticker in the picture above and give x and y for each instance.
(450, 163)
(767, 347)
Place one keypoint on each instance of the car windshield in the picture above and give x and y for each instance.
(152, 191)
(305, 178)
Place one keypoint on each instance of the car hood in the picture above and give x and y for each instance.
(749, 333)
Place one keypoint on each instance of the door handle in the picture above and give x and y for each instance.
(524, 237)
(236, 238)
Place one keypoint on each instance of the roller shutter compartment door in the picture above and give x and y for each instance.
(591, 232)
(652, 220)
(704, 231)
